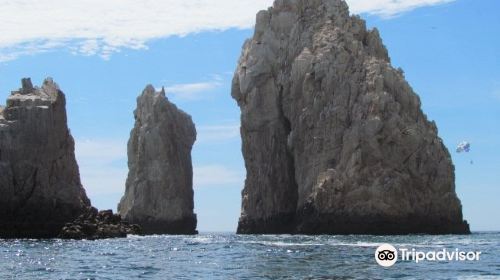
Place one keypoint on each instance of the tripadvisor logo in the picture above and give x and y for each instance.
(386, 255)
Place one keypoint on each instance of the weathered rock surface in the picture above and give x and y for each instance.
(94, 224)
(334, 138)
(40, 187)
(159, 188)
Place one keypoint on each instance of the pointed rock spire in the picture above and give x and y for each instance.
(159, 188)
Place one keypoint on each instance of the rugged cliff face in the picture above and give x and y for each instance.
(40, 187)
(334, 138)
(159, 190)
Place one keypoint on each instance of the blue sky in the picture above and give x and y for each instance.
(449, 50)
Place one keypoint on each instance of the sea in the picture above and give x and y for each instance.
(232, 256)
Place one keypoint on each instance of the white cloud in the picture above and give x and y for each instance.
(389, 8)
(103, 168)
(193, 91)
(103, 150)
(218, 133)
(496, 94)
(97, 27)
(103, 165)
(103, 27)
(217, 176)
(13, 51)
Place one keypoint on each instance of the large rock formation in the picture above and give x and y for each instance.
(159, 188)
(334, 139)
(40, 187)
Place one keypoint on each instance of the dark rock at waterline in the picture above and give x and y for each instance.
(334, 138)
(40, 188)
(93, 225)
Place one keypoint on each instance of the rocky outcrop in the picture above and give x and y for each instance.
(92, 225)
(40, 187)
(159, 188)
(334, 138)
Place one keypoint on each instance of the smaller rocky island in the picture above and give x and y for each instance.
(94, 224)
(159, 187)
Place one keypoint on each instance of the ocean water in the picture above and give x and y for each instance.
(231, 256)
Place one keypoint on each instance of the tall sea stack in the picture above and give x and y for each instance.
(40, 188)
(334, 138)
(159, 188)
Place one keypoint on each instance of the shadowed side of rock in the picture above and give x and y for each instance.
(40, 188)
(159, 188)
(334, 138)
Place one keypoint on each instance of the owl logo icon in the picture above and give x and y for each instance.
(386, 255)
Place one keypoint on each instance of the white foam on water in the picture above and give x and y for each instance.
(280, 243)
(204, 240)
